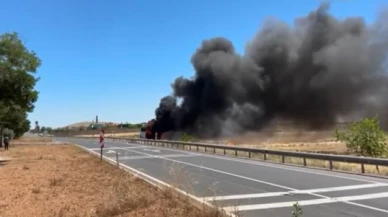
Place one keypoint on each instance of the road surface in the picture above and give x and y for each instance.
(253, 188)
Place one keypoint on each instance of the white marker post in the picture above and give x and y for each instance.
(101, 141)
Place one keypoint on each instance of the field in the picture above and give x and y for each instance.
(45, 178)
(310, 141)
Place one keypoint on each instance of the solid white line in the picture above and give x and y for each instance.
(98, 149)
(309, 202)
(215, 170)
(255, 180)
(156, 181)
(309, 191)
(272, 165)
(156, 156)
(284, 168)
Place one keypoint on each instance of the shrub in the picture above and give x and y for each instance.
(364, 137)
(297, 210)
(9, 133)
(187, 138)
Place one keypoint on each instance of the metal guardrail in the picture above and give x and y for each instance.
(249, 151)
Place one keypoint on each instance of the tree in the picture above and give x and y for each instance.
(49, 130)
(17, 82)
(364, 137)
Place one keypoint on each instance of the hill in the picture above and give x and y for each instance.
(87, 124)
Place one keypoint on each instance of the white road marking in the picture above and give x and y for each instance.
(98, 149)
(309, 191)
(154, 181)
(279, 167)
(255, 180)
(309, 202)
(111, 152)
(155, 150)
(215, 170)
(156, 156)
(273, 165)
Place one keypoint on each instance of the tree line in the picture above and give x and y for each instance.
(18, 66)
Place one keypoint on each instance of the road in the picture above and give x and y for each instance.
(254, 188)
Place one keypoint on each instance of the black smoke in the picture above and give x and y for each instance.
(315, 72)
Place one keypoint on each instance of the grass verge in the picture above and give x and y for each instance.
(55, 179)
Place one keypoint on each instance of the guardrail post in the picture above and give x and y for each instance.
(331, 165)
(235, 152)
(197, 148)
(214, 150)
(190, 147)
(205, 149)
(224, 151)
(304, 162)
(265, 155)
(249, 154)
(362, 168)
(282, 158)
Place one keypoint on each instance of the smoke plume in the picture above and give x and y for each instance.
(315, 72)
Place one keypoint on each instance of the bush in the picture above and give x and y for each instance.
(297, 210)
(187, 138)
(9, 133)
(364, 137)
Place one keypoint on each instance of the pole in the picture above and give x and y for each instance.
(101, 141)
(1, 136)
(117, 159)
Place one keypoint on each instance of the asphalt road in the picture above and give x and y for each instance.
(253, 188)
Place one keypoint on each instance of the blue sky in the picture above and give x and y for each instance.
(116, 59)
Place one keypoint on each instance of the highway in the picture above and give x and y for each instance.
(254, 188)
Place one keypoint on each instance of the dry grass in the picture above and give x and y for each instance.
(340, 166)
(310, 141)
(63, 180)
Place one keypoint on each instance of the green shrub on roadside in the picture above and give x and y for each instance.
(187, 138)
(297, 210)
(364, 137)
(9, 133)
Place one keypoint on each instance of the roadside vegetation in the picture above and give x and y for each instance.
(18, 66)
(364, 138)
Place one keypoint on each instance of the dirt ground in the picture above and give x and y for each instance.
(45, 178)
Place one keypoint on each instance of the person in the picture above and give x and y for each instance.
(6, 142)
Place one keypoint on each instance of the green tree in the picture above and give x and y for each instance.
(49, 130)
(42, 129)
(17, 82)
(364, 137)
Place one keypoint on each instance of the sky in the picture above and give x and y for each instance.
(116, 59)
